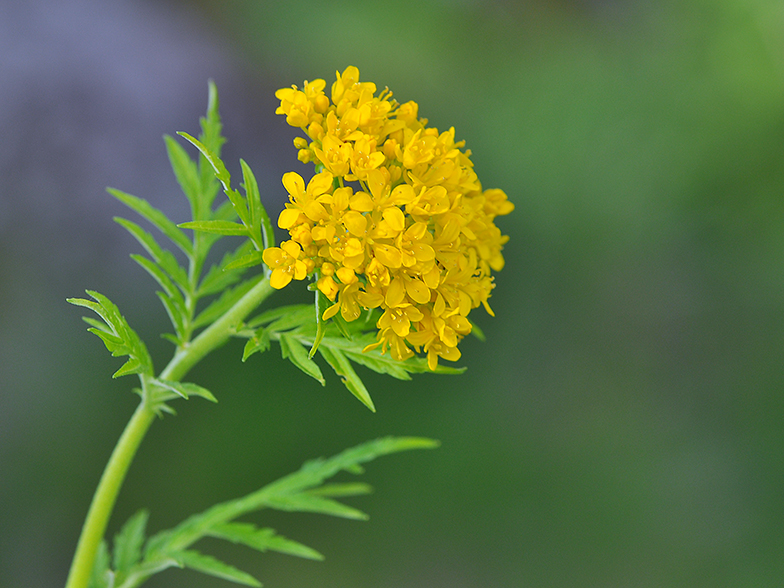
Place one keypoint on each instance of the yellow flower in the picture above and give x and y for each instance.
(285, 263)
(397, 220)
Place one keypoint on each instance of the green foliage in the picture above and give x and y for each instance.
(115, 332)
(296, 328)
(135, 558)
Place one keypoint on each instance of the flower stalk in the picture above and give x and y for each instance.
(117, 467)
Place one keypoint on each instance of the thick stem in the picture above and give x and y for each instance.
(120, 460)
(106, 495)
(217, 333)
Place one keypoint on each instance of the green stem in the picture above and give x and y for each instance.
(217, 333)
(120, 460)
(106, 495)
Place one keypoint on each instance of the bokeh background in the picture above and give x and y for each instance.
(622, 425)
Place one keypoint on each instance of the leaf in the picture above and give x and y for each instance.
(260, 220)
(101, 576)
(273, 314)
(308, 503)
(157, 274)
(220, 227)
(117, 335)
(218, 278)
(259, 343)
(262, 540)
(184, 389)
(294, 351)
(186, 172)
(214, 567)
(220, 305)
(342, 367)
(223, 176)
(286, 492)
(128, 542)
(156, 217)
(177, 314)
(251, 259)
(164, 258)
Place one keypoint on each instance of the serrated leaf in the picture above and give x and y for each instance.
(260, 220)
(155, 217)
(259, 343)
(219, 227)
(164, 258)
(207, 564)
(220, 305)
(217, 278)
(117, 335)
(128, 542)
(186, 172)
(157, 274)
(318, 504)
(342, 367)
(101, 576)
(185, 389)
(177, 315)
(223, 176)
(342, 490)
(292, 316)
(303, 481)
(263, 540)
(293, 350)
(250, 260)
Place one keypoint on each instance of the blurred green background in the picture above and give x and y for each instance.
(622, 425)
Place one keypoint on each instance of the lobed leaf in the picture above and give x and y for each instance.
(214, 567)
(187, 173)
(164, 258)
(117, 335)
(293, 350)
(338, 361)
(226, 300)
(155, 217)
(262, 539)
(219, 227)
(129, 541)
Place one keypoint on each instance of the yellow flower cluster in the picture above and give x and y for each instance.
(396, 218)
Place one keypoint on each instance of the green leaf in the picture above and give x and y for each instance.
(117, 335)
(218, 278)
(214, 567)
(342, 367)
(164, 258)
(223, 176)
(101, 576)
(263, 540)
(177, 315)
(251, 259)
(220, 227)
(156, 217)
(158, 275)
(294, 351)
(260, 220)
(342, 490)
(259, 343)
(477, 332)
(296, 316)
(128, 542)
(305, 502)
(186, 172)
(226, 300)
(184, 389)
(301, 483)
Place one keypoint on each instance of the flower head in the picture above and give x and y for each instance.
(396, 220)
